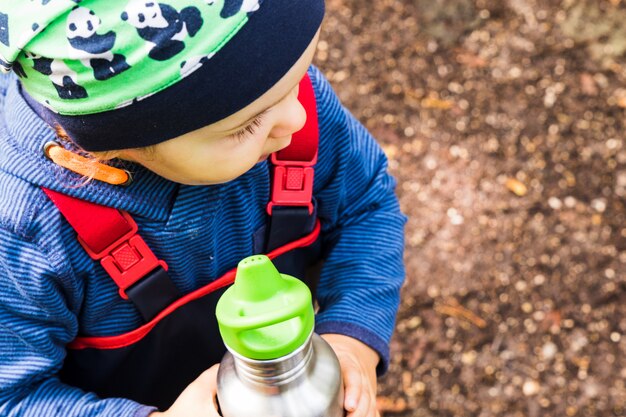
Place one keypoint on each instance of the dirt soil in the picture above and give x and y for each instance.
(503, 121)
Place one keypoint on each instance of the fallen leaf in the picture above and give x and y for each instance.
(596, 219)
(461, 312)
(435, 103)
(391, 405)
(471, 60)
(588, 84)
(517, 187)
(552, 321)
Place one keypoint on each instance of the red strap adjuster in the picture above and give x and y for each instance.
(128, 259)
(292, 184)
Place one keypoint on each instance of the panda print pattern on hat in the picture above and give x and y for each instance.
(62, 77)
(92, 49)
(232, 7)
(83, 57)
(162, 26)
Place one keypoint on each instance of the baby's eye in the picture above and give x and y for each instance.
(249, 130)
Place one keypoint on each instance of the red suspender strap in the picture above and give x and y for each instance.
(293, 166)
(110, 236)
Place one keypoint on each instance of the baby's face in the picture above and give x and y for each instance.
(224, 150)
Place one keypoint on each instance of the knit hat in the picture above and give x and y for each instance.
(117, 74)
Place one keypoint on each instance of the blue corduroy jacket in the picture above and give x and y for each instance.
(51, 290)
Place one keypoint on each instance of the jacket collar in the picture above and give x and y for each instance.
(21, 154)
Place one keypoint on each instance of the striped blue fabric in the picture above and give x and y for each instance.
(51, 291)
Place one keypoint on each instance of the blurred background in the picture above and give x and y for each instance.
(503, 121)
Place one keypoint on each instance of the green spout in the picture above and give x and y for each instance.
(265, 314)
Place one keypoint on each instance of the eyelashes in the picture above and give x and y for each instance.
(250, 129)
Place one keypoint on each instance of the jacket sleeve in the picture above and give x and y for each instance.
(35, 325)
(359, 288)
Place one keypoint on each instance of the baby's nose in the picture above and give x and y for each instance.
(292, 119)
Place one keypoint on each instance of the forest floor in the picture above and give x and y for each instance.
(503, 121)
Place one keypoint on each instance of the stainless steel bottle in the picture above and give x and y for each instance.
(305, 383)
(275, 365)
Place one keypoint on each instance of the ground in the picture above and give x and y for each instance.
(503, 121)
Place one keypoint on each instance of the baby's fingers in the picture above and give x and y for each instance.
(358, 363)
(364, 407)
(358, 401)
(353, 385)
(207, 381)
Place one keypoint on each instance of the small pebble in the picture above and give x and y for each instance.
(549, 350)
(539, 279)
(555, 203)
(530, 388)
(570, 202)
(599, 205)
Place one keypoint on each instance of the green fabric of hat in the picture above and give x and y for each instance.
(83, 57)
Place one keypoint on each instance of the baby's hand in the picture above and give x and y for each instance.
(358, 366)
(198, 399)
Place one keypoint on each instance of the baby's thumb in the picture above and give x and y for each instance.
(207, 384)
(207, 380)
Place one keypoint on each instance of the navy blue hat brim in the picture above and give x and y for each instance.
(251, 63)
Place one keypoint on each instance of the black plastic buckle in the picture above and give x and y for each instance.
(153, 293)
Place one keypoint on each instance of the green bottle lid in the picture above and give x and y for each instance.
(264, 314)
